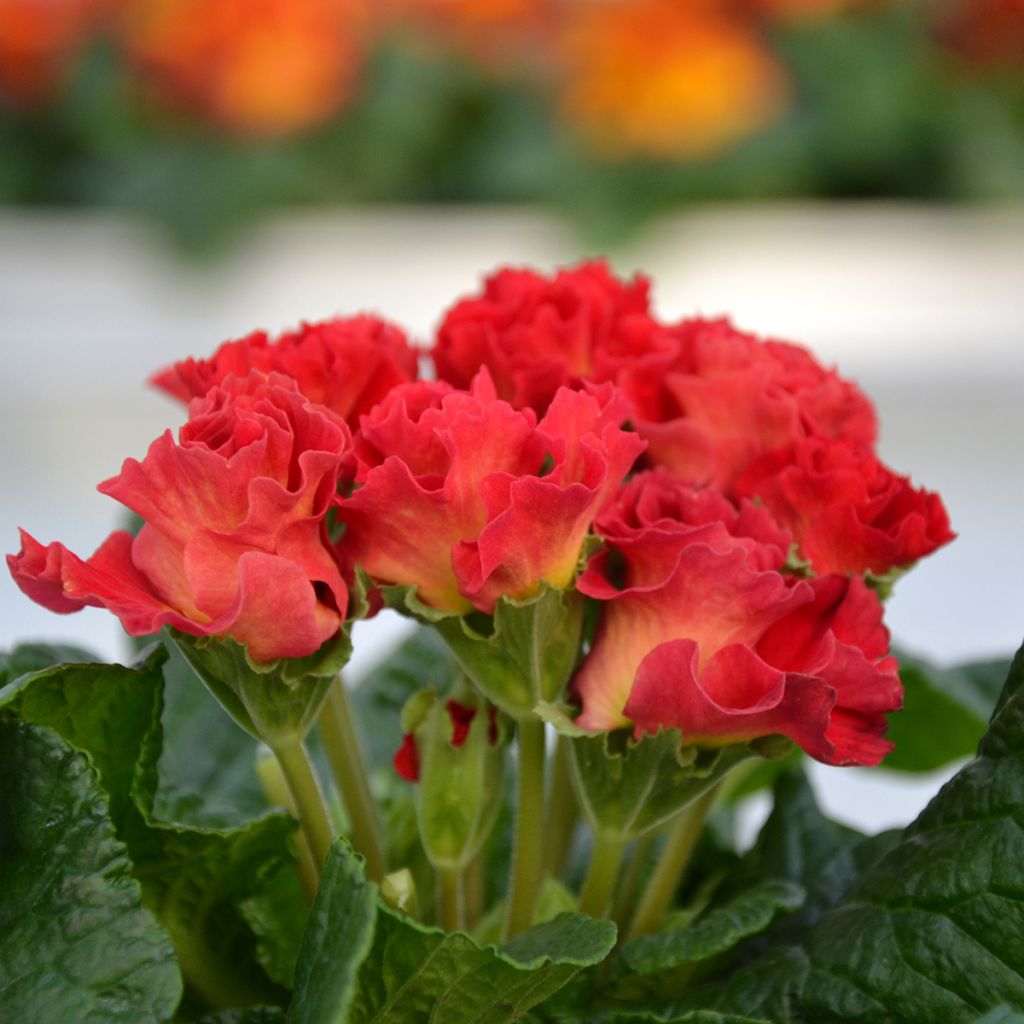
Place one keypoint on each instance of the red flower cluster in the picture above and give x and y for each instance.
(740, 510)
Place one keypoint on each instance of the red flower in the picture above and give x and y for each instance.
(348, 364)
(719, 398)
(535, 333)
(848, 512)
(233, 542)
(701, 632)
(468, 499)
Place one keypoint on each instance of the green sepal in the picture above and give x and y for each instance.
(458, 795)
(275, 701)
(628, 786)
(521, 656)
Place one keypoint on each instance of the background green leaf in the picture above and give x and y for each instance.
(76, 944)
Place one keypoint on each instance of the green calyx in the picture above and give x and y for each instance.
(521, 656)
(460, 774)
(627, 787)
(275, 701)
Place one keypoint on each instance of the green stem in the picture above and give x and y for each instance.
(474, 884)
(664, 883)
(278, 795)
(528, 851)
(563, 812)
(451, 900)
(305, 791)
(629, 887)
(338, 733)
(602, 873)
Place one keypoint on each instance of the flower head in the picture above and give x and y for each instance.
(468, 499)
(347, 364)
(233, 542)
(537, 333)
(701, 631)
(848, 512)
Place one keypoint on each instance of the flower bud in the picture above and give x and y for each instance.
(453, 750)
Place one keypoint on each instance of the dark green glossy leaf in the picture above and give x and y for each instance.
(337, 940)
(251, 1015)
(76, 944)
(277, 913)
(934, 929)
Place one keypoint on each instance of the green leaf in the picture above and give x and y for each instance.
(416, 975)
(250, 1015)
(104, 710)
(944, 714)
(207, 768)
(32, 657)
(627, 787)
(337, 940)
(717, 931)
(1001, 1015)
(934, 930)
(275, 701)
(520, 657)
(76, 944)
(277, 914)
(193, 879)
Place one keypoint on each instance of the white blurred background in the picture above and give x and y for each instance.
(923, 306)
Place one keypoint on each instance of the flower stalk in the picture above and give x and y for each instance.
(272, 779)
(341, 743)
(664, 883)
(602, 874)
(305, 790)
(528, 851)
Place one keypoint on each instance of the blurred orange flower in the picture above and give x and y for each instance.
(262, 67)
(664, 78)
(39, 40)
(802, 10)
(988, 33)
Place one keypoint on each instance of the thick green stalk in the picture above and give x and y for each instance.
(602, 874)
(451, 900)
(664, 883)
(629, 886)
(305, 791)
(563, 812)
(278, 795)
(341, 742)
(528, 851)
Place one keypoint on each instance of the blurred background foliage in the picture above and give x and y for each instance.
(207, 114)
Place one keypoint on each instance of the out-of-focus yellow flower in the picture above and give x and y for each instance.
(665, 78)
(38, 44)
(262, 67)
